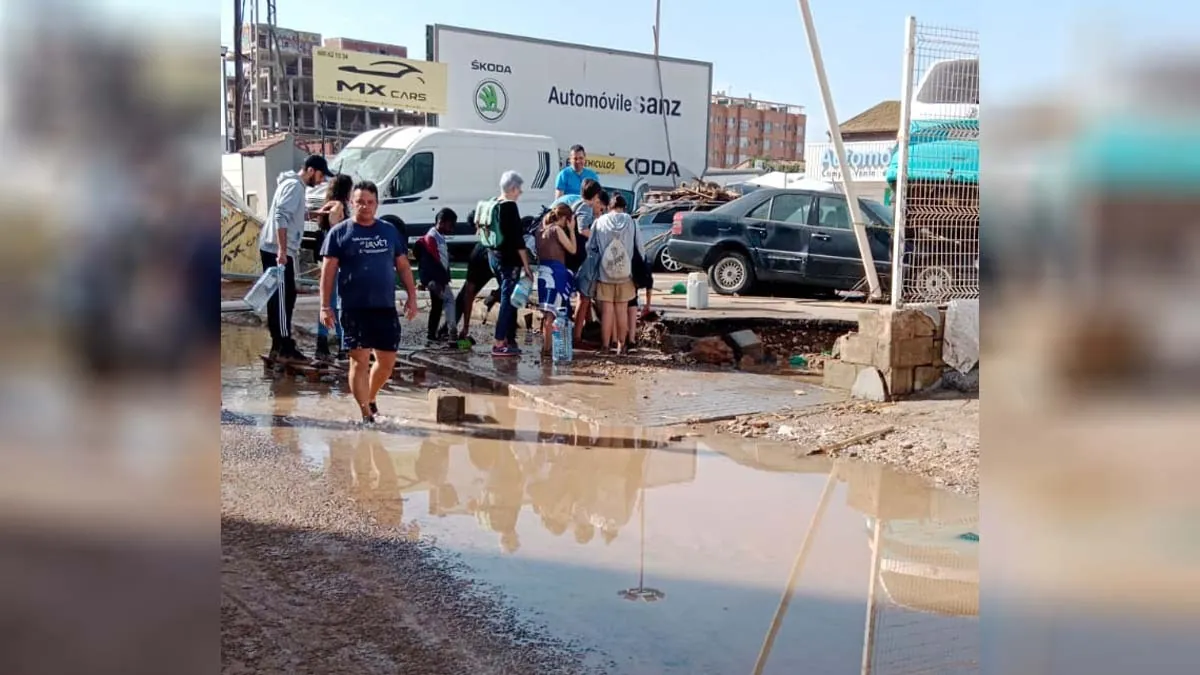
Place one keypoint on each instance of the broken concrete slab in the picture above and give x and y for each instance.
(869, 386)
(960, 348)
(447, 406)
(746, 343)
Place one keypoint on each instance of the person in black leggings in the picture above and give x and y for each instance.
(479, 273)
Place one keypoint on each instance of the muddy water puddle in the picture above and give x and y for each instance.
(657, 556)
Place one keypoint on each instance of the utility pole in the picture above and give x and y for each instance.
(256, 94)
(279, 73)
(238, 75)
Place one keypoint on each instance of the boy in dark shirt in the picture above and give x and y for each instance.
(433, 268)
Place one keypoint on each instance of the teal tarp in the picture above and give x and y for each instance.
(941, 151)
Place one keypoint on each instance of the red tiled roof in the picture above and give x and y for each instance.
(261, 146)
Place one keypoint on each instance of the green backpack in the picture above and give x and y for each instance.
(487, 222)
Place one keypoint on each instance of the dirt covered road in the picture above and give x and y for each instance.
(312, 582)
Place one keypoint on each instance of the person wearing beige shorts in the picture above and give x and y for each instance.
(621, 292)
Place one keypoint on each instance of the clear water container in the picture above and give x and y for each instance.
(558, 339)
(697, 291)
(266, 286)
(520, 296)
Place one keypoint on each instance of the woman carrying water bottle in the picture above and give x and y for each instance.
(555, 242)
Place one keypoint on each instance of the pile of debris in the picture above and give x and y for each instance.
(697, 191)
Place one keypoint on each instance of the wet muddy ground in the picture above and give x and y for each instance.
(521, 542)
(936, 437)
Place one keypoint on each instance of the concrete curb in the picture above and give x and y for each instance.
(461, 374)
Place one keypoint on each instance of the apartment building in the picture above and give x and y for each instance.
(744, 129)
(278, 98)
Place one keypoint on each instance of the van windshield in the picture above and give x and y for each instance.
(953, 82)
(371, 164)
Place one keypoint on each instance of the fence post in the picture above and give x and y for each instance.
(902, 139)
(859, 222)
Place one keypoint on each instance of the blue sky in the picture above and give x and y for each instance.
(758, 46)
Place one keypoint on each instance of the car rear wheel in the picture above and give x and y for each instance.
(667, 263)
(731, 273)
(933, 284)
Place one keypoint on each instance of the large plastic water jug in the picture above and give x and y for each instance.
(266, 286)
(520, 296)
(561, 340)
(697, 291)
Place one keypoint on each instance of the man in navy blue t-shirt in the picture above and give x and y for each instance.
(363, 255)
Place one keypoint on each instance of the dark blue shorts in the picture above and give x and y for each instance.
(371, 329)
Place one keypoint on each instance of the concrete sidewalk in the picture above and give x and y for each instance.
(635, 392)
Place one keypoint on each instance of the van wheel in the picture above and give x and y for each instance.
(399, 225)
(731, 273)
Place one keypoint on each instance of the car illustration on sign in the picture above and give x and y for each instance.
(399, 70)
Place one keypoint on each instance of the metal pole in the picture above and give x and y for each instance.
(661, 95)
(321, 121)
(860, 229)
(239, 77)
(872, 589)
(900, 194)
(765, 652)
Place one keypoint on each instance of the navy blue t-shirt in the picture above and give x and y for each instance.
(366, 256)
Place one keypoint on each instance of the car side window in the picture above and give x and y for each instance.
(761, 212)
(664, 217)
(834, 214)
(415, 177)
(791, 209)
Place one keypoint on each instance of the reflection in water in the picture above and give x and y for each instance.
(924, 572)
(361, 467)
(588, 491)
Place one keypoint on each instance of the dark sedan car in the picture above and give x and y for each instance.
(654, 227)
(795, 237)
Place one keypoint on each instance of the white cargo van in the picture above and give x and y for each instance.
(420, 170)
(948, 90)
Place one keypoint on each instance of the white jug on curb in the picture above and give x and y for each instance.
(697, 290)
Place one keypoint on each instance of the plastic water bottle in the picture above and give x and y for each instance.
(561, 339)
(520, 296)
(266, 286)
(568, 331)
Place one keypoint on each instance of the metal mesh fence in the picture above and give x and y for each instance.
(927, 601)
(938, 203)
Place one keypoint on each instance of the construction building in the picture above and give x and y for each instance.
(743, 130)
(278, 89)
